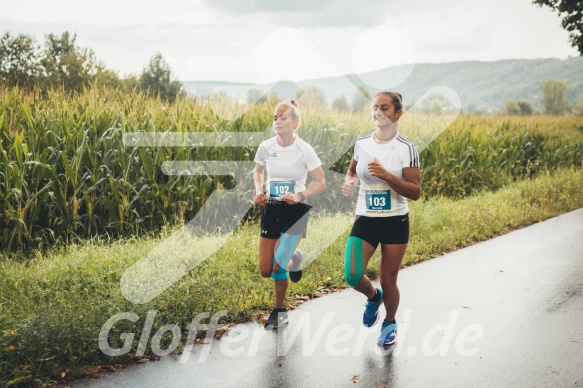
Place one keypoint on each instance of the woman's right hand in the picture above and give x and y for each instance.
(259, 199)
(347, 188)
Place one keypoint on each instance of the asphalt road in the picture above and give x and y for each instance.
(507, 312)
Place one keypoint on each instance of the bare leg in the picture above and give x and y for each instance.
(364, 285)
(280, 292)
(392, 256)
(267, 249)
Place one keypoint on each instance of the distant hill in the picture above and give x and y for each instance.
(481, 86)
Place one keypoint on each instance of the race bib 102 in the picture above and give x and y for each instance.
(277, 189)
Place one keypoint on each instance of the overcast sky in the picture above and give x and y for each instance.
(269, 40)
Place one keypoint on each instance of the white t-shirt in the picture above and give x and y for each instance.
(375, 197)
(287, 167)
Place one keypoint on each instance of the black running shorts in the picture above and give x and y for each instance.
(280, 217)
(386, 230)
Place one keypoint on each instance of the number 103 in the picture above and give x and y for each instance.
(377, 201)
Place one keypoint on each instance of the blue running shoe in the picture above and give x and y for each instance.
(371, 315)
(388, 333)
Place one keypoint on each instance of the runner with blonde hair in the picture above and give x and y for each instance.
(288, 160)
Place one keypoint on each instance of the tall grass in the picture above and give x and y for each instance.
(52, 305)
(65, 174)
(490, 152)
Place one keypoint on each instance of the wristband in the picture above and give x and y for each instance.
(301, 194)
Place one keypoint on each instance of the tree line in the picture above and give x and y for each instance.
(61, 63)
(554, 102)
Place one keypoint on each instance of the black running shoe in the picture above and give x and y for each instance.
(277, 317)
(295, 273)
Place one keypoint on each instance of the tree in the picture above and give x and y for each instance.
(158, 79)
(19, 60)
(341, 104)
(511, 107)
(554, 99)
(272, 99)
(525, 108)
(578, 109)
(312, 96)
(572, 19)
(59, 63)
(130, 82)
(110, 78)
(67, 65)
(361, 99)
(255, 95)
(473, 109)
(435, 104)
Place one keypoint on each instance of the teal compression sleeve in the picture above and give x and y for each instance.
(284, 252)
(353, 262)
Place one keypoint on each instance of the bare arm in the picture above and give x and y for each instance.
(318, 184)
(316, 187)
(259, 180)
(409, 186)
(351, 179)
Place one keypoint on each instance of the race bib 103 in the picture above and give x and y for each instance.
(378, 201)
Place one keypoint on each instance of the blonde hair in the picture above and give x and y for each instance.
(292, 106)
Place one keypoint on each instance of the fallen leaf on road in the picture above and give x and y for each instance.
(355, 378)
(220, 332)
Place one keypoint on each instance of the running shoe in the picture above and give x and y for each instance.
(277, 317)
(388, 333)
(371, 315)
(295, 273)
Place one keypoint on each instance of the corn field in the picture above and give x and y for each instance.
(66, 174)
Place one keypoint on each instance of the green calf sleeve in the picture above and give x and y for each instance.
(353, 263)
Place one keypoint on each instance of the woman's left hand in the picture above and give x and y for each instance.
(375, 168)
(291, 198)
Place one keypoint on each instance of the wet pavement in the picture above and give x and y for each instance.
(506, 312)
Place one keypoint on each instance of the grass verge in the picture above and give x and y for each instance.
(54, 303)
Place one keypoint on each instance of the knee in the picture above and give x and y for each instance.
(280, 275)
(265, 268)
(389, 281)
(351, 279)
(265, 272)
